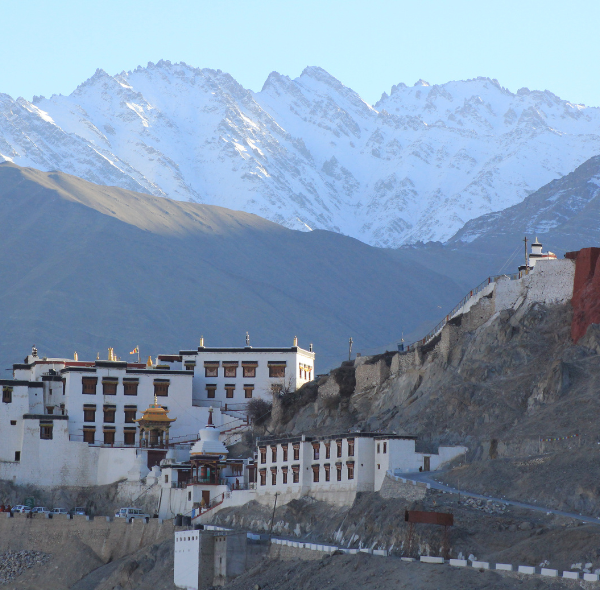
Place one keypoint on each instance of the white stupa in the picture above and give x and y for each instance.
(209, 443)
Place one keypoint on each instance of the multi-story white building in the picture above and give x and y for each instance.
(78, 418)
(334, 468)
(229, 376)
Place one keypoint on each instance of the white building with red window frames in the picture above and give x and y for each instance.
(334, 468)
(232, 376)
(71, 422)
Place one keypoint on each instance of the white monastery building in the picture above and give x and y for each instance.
(71, 422)
(234, 375)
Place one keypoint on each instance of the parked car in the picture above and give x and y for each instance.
(40, 510)
(59, 511)
(79, 510)
(21, 508)
(131, 513)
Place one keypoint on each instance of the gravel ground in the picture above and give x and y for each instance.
(14, 563)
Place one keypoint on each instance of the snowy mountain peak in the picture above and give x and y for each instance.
(308, 152)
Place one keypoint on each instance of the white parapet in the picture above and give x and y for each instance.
(430, 559)
(458, 562)
(571, 575)
(407, 559)
(507, 567)
(549, 573)
(382, 552)
(591, 577)
(526, 569)
(483, 565)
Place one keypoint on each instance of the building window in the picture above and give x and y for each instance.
(7, 395)
(327, 450)
(378, 466)
(273, 477)
(17, 456)
(263, 477)
(88, 385)
(166, 478)
(229, 369)
(338, 468)
(284, 474)
(129, 437)
(211, 369)
(130, 413)
(384, 448)
(210, 391)
(249, 370)
(338, 443)
(296, 452)
(315, 447)
(189, 365)
(378, 448)
(350, 447)
(109, 437)
(109, 387)
(109, 414)
(350, 470)
(46, 431)
(130, 387)
(50, 410)
(327, 472)
(273, 454)
(315, 470)
(284, 448)
(295, 474)
(248, 389)
(89, 435)
(89, 413)
(161, 388)
(229, 389)
(189, 498)
(263, 455)
(277, 370)
(13, 422)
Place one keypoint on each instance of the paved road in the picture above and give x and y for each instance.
(426, 478)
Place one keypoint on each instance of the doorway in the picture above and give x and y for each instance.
(426, 463)
(206, 497)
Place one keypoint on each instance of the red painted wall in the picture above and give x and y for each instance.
(586, 291)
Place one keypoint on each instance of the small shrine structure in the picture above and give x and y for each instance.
(154, 426)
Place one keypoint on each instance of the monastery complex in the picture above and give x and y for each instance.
(166, 428)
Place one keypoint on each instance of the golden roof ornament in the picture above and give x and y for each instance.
(149, 362)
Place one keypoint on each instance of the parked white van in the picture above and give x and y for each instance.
(131, 513)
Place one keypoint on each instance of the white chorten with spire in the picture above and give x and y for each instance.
(209, 443)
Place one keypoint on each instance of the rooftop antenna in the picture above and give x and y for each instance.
(526, 256)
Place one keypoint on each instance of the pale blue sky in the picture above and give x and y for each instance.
(51, 47)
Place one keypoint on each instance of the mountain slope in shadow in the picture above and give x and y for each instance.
(84, 267)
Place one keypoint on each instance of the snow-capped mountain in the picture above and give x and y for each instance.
(308, 153)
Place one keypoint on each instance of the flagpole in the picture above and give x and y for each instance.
(138, 349)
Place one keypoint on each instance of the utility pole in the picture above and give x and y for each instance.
(350, 342)
(273, 517)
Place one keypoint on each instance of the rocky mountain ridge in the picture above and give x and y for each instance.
(505, 380)
(308, 153)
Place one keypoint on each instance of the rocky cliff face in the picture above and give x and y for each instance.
(507, 381)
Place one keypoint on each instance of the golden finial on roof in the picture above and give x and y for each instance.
(97, 356)
(295, 340)
(201, 341)
(149, 363)
(155, 400)
(76, 357)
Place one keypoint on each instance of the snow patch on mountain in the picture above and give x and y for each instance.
(308, 152)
